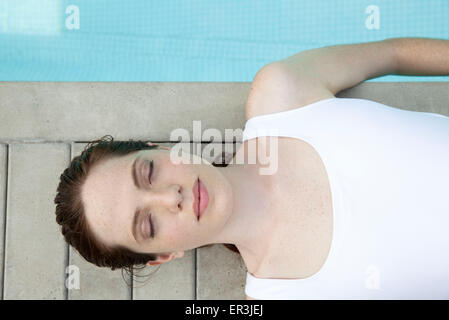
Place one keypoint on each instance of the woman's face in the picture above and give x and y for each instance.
(111, 200)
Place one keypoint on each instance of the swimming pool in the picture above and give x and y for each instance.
(188, 40)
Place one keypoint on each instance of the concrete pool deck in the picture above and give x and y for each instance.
(43, 125)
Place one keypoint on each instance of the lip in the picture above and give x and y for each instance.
(201, 198)
(195, 199)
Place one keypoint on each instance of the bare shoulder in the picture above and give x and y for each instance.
(275, 89)
(249, 298)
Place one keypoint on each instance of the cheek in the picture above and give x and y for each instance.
(181, 230)
(180, 233)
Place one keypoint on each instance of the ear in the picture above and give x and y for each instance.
(163, 258)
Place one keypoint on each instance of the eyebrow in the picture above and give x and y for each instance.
(136, 183)
(134, 172)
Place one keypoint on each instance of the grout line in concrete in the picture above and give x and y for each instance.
(67, 253)
(132, 284)
(196, 274)
(4, 221)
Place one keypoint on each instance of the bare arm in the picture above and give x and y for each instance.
(340, 67)
(421, 56)
(321, 73)
(343, 66)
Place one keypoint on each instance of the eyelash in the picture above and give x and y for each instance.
(152, 229)
(151, 171)
(149, 180)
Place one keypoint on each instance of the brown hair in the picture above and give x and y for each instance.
(70, 213)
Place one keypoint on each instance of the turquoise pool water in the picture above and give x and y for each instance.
(188, 40)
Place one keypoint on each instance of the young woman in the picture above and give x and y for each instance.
(356, 209)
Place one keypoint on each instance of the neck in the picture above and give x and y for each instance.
(250, 224)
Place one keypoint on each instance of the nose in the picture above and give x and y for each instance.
(169, 197)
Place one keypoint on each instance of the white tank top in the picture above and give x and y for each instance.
(389, 177)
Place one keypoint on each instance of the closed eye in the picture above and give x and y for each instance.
(152, 228)
(151, 171)
(144, 228)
